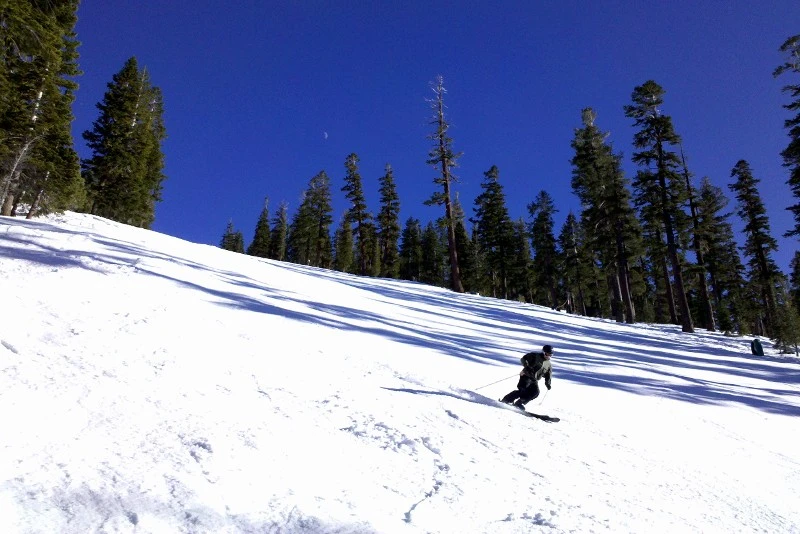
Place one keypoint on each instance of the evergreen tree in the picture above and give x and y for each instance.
(389, 225)
(660, 180)
(343, 240)
(260, 245)
(309, 240)
(443, 158)
(38, 61)
(706, 310)
(494, 232)
(759, 243)
(125, 173)
(610, 221)
(794, 279)
(467, 258)
(543, 244)
(519, 276)
(791, 155)
(432, 268)
(787, 320)
(357, 214)
(576, 268)
(232, 239)
(725, 269)
(280, 233)
(411, 250)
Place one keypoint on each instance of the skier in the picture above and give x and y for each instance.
(535, 365)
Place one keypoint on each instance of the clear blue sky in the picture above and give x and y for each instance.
(252, 88)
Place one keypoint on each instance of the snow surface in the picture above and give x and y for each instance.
(152, 385)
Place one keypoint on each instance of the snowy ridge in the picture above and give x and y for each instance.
(149, 384)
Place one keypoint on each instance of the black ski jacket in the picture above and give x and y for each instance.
(536, 366)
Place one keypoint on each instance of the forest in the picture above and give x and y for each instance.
(658, 247)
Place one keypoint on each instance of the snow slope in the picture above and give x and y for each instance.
(152, 385)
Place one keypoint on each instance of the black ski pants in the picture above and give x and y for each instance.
(527, 390)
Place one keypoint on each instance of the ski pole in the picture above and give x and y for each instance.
(543, 397)
(487, 385)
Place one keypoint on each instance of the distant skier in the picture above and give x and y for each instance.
(535, 365)
(756, 348)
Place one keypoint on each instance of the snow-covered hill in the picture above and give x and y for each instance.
(151, 385)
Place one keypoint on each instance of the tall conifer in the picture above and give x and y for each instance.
(543, 244)
(791, 154)
(260, 245)
(660, 181)
(411, 250)
(280, 233)
(309, 240)
(357, 213)
(759, 243)
(38, 64)
(443, 158)
(610, 222)
(125, 172)
(389, 225)
(494, 233)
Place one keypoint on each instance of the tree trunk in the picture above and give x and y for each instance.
(705, 300)
(35, 204)
(668, 293)
(672, 248)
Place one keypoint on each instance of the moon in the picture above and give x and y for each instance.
(325, 135)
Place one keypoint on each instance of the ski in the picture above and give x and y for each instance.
(543, 417)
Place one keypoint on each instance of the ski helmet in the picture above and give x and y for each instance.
(547, 349)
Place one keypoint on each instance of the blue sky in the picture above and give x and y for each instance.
(252, 88)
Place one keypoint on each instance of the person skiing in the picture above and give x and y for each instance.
(535, 365)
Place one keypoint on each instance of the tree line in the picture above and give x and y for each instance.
(40, 170)
(657, 248)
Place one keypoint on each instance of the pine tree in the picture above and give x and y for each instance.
(389, 225)
(309, 240)
(432, 267)
(494, 232)
(280, 233)
(411, 250)
(610, 221)
(520, 266)
(38, 61)
(543, 244)
(794, 279)
(343, 242)
(467, 258)
(787, 320)
(791, 155)
(706, 310)
(725, 269)
(759, 243)
(660, 181)
(443, 158)
(260, 245)
(232, 239)
(125, 173)
(576, 268)
(357, 214)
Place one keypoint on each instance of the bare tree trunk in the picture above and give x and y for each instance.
(616, 300)
(35, 204)
(8, 205)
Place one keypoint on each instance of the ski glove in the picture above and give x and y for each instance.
(548, 386)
